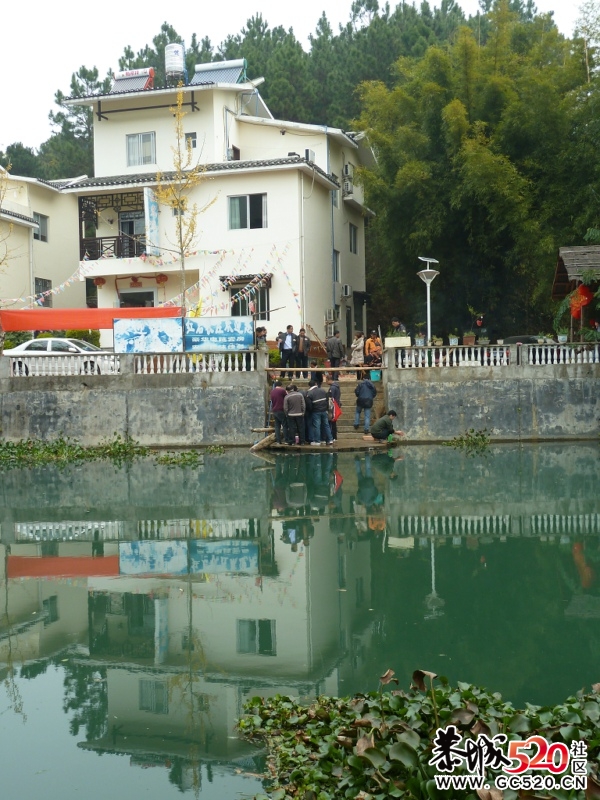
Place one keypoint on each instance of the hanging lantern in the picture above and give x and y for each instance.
(161, 279)
(135, 283)
(99, 282)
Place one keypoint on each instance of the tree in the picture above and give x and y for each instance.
(20, 159)
(587, 26)
(175, 191)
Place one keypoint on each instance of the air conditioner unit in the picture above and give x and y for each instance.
(348, 188)
(346, 290)
(309, 155)
(330, 315)
(348, 171)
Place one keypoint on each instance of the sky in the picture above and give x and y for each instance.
(40, 51)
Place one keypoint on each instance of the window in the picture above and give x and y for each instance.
(50, 606)
(248, 211)
(235, 152)
(256, 636)
(353, 238)
(336, 266)
(41, 232)
(190, 140)
(41, 285)
(154, 696)
(141, 149)
(243, 306)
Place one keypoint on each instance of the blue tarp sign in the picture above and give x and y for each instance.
(218, 334)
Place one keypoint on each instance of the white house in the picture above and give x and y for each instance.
(39, 253)
(280, 233)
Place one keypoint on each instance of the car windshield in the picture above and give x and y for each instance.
(86, 346)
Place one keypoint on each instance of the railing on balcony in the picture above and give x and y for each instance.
(112, 247)
(494, 355)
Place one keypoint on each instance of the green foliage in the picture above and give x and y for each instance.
(472, 443)
(274, 358)
(379, 744)
(65, 451)
(93, 337)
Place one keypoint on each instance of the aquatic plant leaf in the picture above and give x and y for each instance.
(418, 677)
(593, 789)
(404, 753)
(364, 743)
(519, 724)
(410, 737)
(388, 677)
(462, 716)
(375, 756)
(481, 727)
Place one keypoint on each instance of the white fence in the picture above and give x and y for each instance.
(144, 364)
(494, 355)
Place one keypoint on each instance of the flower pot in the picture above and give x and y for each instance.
(468, 339)
(499, 341)
(483, 340)
(562, 338)
(438, 342)
(419, 341)
(453, 341)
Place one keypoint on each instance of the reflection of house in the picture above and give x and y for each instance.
(185, 653)
(38, 230)
(283, 225)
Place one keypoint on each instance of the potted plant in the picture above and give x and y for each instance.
(453, 338)
(437, 341)
(470, 335)
(419, 335)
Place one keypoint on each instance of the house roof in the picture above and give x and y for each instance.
(304, 127)
(572, 264)
(18, 217)
(149, 178)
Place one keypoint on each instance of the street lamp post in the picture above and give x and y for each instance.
(427, 276)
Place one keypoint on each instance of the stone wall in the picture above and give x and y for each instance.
(512, 402)
(176, 410)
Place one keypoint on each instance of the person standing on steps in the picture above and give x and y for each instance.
(321, 432)
(294, 406)
(333, 393)
(288, 343)
(365, 394)
(302, 350)
(335, 349)
(357, 350)
(278, 395)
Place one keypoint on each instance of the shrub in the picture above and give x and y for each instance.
(274, 358)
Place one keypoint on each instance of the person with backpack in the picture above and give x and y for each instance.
(365, 394)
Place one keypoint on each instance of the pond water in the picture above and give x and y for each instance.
(140, 606)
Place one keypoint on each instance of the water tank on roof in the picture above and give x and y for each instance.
(174, 59)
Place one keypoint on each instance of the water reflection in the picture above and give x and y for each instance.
(167, 597)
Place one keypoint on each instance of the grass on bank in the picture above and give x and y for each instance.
(379, 745)
(65, 451)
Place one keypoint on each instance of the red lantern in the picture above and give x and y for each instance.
(99, 282)
(160, 279)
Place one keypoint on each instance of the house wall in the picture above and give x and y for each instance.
(55, 260)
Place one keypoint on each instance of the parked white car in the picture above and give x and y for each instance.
(55, 356)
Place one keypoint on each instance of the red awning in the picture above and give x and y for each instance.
(67, 319)
(61, 566)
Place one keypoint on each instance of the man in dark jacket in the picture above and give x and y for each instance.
(321, 431)
(288, 346)
(365, 394)
(278, 395)
(335, 349)
(302, 348)
(384, 427)
(294, 406)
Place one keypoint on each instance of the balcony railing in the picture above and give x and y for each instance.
(112, 247)
(495, 355)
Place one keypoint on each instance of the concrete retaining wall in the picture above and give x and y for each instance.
(172, 409)
(512, 402)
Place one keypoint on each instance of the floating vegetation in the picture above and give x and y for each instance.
(380, 744)
(65, 451)
(472, 443)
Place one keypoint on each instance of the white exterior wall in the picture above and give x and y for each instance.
(27, 258)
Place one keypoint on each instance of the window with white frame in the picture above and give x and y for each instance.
(247, 211)
(42, 288)
(141, 149)
(257, 305)
(256, 637)
(191, 140)
(41, 232)
(353, 238)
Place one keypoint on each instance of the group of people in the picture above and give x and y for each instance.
(303, 417)
(293, 350)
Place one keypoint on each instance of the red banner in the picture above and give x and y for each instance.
(66, 319)
(61, 566)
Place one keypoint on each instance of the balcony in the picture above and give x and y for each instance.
(111, 247)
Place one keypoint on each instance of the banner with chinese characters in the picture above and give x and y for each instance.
(148, 335)
(151, 220)
(216, 334)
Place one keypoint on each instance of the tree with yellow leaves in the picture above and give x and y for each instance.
(175, 191)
